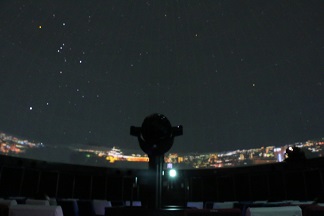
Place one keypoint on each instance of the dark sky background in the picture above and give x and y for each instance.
(236, 74)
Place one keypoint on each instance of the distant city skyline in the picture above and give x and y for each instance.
(115, 157)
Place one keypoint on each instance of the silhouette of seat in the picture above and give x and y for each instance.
(86, 208)
(69, 207)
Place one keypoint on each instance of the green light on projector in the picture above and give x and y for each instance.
(172, 173)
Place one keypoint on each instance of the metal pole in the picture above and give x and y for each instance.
(158, 184)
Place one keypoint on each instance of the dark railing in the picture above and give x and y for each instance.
(23, 177)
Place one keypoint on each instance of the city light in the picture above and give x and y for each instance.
(114, 156)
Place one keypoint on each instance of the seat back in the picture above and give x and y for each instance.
(197, 205)
(37, 202)
(35, 210)
(277, 211)
(134, 203)
(86, 208)
(223, 205)
(69, 207)
(5, 205)
(100, 205)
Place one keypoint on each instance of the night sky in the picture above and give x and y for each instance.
(236, 74)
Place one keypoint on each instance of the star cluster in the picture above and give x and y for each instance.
(235, 74)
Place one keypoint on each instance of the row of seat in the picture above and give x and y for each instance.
(12, 208)
(74, 207)
(232, 204)
(265, 208)
(66, 207)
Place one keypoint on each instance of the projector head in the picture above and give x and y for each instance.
(156, 134)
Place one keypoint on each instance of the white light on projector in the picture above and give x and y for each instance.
(172, 173)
